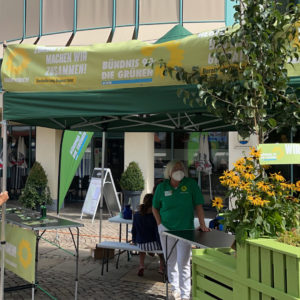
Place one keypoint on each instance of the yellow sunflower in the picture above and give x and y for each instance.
(239, 167)
(249, 168)
(245, 186)
(278, 177)
(233, 185)
(236, 179)
(255, 153)
(217, 202)
(262, 186)
(228, 178)
(292, 187)
(264, 202)
(270, 193)
(241, 161)
(298, 186)
(248, 176)
(255, 200)
(284, 185)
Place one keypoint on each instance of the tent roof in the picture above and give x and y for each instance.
(144, 109)
(176, 33)
(150, 108)
(134, 109)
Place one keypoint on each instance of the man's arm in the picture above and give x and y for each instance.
(156, 215)
(3, 197)
(200, 215)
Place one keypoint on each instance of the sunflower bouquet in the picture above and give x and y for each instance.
(262, 205)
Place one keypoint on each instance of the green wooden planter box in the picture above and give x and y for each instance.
(263, 269)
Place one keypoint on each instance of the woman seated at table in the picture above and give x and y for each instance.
(3, 197)
(145, 234)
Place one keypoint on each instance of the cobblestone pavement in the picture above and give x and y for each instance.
(56, 268)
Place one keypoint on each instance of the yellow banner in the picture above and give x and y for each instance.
(27, 68)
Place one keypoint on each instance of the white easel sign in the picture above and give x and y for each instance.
(93, 195)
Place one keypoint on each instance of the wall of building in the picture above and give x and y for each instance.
(47, 153)
(101, 21)
(139, 147)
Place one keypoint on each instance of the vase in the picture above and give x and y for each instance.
(127, 212)
(132, 198)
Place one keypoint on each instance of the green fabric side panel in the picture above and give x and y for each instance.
(294, 81)
(118, 102)
(73, 147)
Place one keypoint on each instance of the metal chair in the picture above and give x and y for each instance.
(73, 189)
(85, 181)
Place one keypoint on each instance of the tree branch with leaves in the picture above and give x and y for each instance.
(251, 87)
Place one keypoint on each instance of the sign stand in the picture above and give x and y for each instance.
(93, 194)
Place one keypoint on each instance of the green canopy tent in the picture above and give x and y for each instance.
(143, 109)
(109, 87)
(95, 101)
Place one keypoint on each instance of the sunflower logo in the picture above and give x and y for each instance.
(183, 188)
(24, 248)
(279, 152)
(175, 59)
(17, 61)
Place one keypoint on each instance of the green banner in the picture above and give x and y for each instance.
(30, 68)
(20, 252)
(74, 144)
(279, 154)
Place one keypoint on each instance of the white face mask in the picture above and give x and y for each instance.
(178, 175)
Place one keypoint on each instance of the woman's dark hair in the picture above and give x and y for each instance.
(147, 203)
(156, 184)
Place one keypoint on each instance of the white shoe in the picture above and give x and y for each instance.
(175, 296)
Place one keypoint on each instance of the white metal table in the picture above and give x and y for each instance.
(200, 239)
(120, 221)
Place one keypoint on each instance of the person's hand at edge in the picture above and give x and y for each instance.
(3, 197)
(203, 228)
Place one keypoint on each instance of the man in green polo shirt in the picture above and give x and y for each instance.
(174, 202)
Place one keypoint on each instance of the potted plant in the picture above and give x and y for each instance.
(263, 266)
(36, 190)
(132, 183)
(291, 237)
(264, 205)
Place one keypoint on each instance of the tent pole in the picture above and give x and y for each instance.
(210, 189)
(102, 184)
(59, 166)
(292, 166)
(4, 177)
